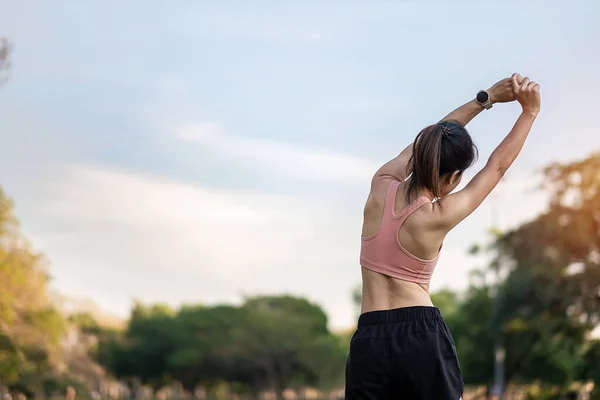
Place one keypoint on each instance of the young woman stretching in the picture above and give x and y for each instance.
(402, 349)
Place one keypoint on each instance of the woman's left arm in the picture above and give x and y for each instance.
(398, 168)
(500, 92)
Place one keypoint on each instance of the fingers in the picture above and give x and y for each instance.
(515, 82)
(518, 77)
(521, 84)
(508, 83)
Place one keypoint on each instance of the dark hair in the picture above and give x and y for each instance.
(439, 150)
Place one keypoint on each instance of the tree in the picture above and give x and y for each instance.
(202, 336)
(30, 328)
(275, 342)
(285, 342)
(142, 351)
(548, 304)
(550, 300)
(446, 301)
(590, 367)
(471, 327)
(115, 355)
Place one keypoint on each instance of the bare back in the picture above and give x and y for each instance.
(381, 292)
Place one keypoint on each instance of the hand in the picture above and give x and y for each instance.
(502, 91)
(527, 93)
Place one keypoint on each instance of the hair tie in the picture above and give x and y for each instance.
(445, 130)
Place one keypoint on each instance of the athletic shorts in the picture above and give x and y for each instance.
(406, 353)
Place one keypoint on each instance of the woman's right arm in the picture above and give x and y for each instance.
(456, 207)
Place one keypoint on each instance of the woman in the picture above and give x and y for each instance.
(402, 349)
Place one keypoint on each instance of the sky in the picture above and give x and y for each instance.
(200, 152)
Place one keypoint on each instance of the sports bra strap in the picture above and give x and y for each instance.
(390, 198)
(412, 207)
(390, 202)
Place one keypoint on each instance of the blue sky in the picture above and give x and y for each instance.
(198, 151)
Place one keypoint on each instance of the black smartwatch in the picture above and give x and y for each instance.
(483, 98)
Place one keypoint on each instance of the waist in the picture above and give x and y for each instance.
(382, 292)
(399, 271)
(403, 314)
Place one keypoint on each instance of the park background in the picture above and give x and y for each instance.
(189, 177)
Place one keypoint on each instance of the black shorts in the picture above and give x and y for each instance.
(406, 353)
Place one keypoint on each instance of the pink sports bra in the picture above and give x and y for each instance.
(382, 251)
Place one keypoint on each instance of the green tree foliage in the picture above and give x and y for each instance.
(590, 367)
(144, 350)
(287, 342)
(86, 323)
(202, 337)
(446, 300)
(274, 342)
(30, 328)
(469, 320)
(550, 301)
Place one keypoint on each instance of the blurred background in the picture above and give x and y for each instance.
(182, 187)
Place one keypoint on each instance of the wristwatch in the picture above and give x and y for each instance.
(483, 98)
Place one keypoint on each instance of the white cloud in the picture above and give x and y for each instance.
(282, 158)
(203, 132)
(115, 234)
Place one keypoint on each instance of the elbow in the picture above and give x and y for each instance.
(498, 165)
(501, 170)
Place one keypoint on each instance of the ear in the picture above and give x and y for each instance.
(455, 177)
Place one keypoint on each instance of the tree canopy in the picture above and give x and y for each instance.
(30, 328)
(549, 303)
(274, 342)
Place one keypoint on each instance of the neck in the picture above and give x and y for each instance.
(426, 194)
(417, 190)
(422, 192)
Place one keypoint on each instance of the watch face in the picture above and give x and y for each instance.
(482, 97)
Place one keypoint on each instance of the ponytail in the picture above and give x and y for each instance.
(439, 150)
(425, 162)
